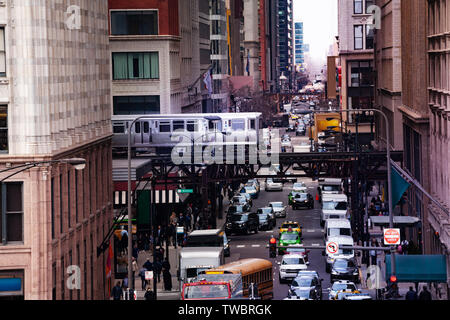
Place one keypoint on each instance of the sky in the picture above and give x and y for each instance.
(320, 26)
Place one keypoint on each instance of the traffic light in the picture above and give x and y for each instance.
(393, 279)
(272, 247)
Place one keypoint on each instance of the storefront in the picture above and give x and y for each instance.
(11, 285)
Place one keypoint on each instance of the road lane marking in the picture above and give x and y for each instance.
(240, 246)
(315, 244)
(256, 245)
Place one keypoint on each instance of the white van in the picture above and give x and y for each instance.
(334, 206)
(329, 185)
(193, 260)
(343, 252)
(337, 227)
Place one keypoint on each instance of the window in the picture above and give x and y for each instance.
(54, 281)
(135, 65)
(61, 219)
(192, 126)
(76, 196)
(357, 6)
(2, 53)
(252, 124)
(124, 105)
(11, 212)
(369, 37)
(146, 127)
(178, 125)
(68, 199)
(134, 23)
(137, 127)
(3, 128)
(164, 126)
(238, 124)
(368, 4)
(52, 195)
(358, 37)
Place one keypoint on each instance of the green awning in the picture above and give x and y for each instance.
(418, 268)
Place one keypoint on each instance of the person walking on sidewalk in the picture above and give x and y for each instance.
(373, 253)
(166, 264)
(425, 294)
(134, 268)
(411, 294)
(117, 291)
(143, 281)
(148, 265)
(167, 278)
(157, 267)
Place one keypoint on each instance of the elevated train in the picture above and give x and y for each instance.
(160, 133)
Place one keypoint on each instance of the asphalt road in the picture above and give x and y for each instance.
(256, 245)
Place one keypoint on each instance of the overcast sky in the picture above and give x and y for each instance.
(319, 19)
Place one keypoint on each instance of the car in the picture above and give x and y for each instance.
(238, 199)
(298, 186)
(286, 136)
(289, 226)
(290, 265)
(302, 200)
(288, 178)
(290, 128)
(298, 249)
(301, 130)
(242, 223)
(291, 196)
(341, 286)
(344, 269)
(285, 143)
(265, 221)
(288, 239)
(308, 282)
(238, 208)
(251, 190)
(294, 117)
(270, 213)
(278, 208)
(248, 197)
(255, 183)
(271, 185)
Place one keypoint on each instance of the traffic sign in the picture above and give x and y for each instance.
(332, 247)
(391, 236)
(148, 275)
(185, 190)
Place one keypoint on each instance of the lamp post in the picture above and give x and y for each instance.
(388, 164)
(77, 163)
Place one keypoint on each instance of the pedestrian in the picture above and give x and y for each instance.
(151, 243)
(373, 253)
(181, 220)
(117, 291)
(143, 281)
(148, 265)
(399, 249)
(125, 283)
(134, 268)
(159, 254)
(404, 244)
(166, 264)
(173, 219)
(411, 294)
(425, 294)
(135, 253)
(157, 267)
(149, 295)
(167, 278)
(188, 220)
(124, 241)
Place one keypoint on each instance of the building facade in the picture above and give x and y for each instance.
(356, 43)
(55, 101)
(299, 49)
(438, 49)
(285, 39)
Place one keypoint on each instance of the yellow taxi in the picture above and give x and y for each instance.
(291, 226)
(294, 117)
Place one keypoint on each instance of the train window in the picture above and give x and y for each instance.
(252, 124)
(192, 126)
(164, 126)
(137, 127)
(178, 125)
(238, 124)
(146, 127)
(119, 129)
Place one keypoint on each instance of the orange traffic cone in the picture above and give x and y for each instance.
(317, 197)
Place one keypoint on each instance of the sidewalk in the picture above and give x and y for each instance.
(175, 293)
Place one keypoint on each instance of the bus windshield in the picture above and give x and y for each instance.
(206, 291)
(204, 241)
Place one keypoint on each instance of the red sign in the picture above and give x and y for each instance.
(332, 247)
(391, 236)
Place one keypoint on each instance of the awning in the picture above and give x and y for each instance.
(399, 221)
(139, 168)
(418, 268)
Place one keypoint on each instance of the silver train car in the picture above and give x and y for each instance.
(160, 133)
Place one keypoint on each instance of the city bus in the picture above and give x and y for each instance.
(217, 286)
(253, 270)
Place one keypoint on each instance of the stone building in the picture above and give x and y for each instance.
(55, 104)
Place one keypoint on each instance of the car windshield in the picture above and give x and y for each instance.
(333, 205)
(300, 195)
(289, 236)
(343, 286)
(234, 209)
(270, 180)
(305, 293)
(339, 232)
(238, 199)
(293, 260)
(287, 225)
(344, 263)
(298, 185)
(302, 282)
(296, 250)
(250, 189)
(263, 216)
(277, 204)
(239, 217)
(345, 251)
(330, 188)
(264, 210)
(211, 291)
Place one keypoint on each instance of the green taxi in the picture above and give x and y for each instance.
(288, 238)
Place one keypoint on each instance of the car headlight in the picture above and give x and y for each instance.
(355, 273)
(334, 272)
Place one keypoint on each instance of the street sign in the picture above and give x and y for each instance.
(391, 236)
(185, 190)
(332, 247)
(180, 229)
(148, 275)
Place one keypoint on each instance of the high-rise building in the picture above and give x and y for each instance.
(55, 104)
(285, 38)
(299, 47)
